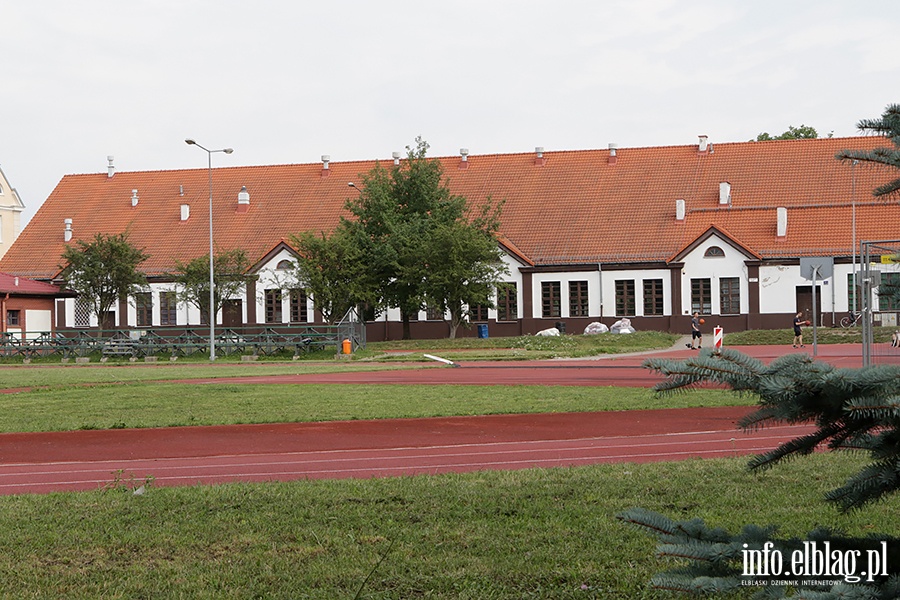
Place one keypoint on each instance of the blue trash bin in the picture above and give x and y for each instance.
(482, 331)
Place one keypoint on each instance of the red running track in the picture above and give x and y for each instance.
(85, 460)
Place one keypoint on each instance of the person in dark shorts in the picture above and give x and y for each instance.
(696, 333)
(798, 333)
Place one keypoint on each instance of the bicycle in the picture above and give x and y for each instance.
(851, 320)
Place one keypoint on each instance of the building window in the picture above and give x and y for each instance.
(730, 296)
(550, 301)
(578, 299)
(507, 302)
(12, 318)
(714, 252)
(298, 307)
(479, 312)
(82, 313)
(653, 297)
(273, 306)
(143, 303)
(168, 308)
(625, 297)
(701, 296)
(889, 292)
(434, 313)
(284, 265)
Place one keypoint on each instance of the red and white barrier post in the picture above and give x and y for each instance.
(717, 338)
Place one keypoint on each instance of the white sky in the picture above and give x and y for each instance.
(285, 81)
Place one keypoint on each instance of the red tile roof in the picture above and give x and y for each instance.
(20, 286)
(576, 207)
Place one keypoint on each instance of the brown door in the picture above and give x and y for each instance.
(805, 302)
(108, 322)
(231, 314)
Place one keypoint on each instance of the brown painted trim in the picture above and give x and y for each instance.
(636, 266)
(753, 295)
(527, 302)
(561, 268)
(123, 312)
(251, 303)
(675, 284)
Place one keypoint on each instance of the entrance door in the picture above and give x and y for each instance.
(805, 302)
(232, 313)
(108, 321)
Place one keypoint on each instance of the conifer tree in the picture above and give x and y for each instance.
(853, 409)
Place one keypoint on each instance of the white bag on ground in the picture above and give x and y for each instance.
(595, 328)
(552, 332)
(622, 326)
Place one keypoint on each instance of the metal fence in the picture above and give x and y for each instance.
(878, 285)
(183, 341)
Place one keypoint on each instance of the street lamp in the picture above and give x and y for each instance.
(212, 282)
(853, 227)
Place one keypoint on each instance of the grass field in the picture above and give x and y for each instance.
(547, 534)
(170, 404)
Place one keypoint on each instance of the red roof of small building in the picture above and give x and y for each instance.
(574, 207)
(21, 286)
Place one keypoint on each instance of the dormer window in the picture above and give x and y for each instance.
(714, 252)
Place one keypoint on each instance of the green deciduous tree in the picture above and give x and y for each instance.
(333, 269)
(464, 265)
(413, 241)
(804, 132)
(229, 273)
(103, 270)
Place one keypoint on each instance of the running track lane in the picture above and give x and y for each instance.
(85, 460)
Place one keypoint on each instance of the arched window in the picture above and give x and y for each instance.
(284, 265)
(714, 252)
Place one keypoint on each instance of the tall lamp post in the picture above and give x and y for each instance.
(212, 282)
(853, 226)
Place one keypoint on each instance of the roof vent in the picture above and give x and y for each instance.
(181, 190)
(134, 198)
(185, 212)
(243, 204)
(110, 169)
(463, 158)
(679, 209)
(612, 153)
(16, 281)
(539, 159)
(724, 194)
(703, 148)
(67, 234)
(396, 157)
(325, 160)
(781, 220)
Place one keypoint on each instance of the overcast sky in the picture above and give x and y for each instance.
(286, 81)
